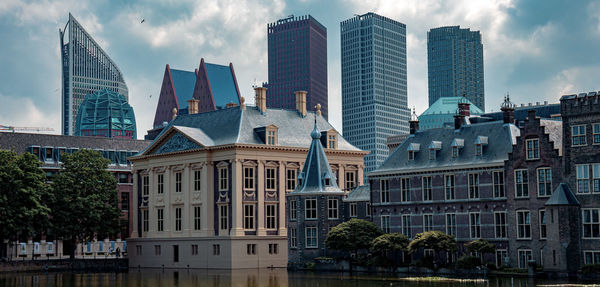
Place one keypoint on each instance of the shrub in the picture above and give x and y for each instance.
(590, 269)
(467, 262)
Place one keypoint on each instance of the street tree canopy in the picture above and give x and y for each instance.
(352, 235)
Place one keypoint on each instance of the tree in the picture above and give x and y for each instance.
(436, 240)
(352, 235)
(84, 201)
(481, 247)
(389, 242)
(23, 195)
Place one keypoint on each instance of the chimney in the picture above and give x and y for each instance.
(260, 99)
(464, 108)
(414, 122)
(301, 102)
(508, 110)
(193, 106)
(458, 121)
(230, 105)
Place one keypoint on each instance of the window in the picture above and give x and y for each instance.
(145, 186)
(311, 237)
(291, 179)
(353, 209)
(157, 250)
(197, 217)
(384, 187)
(544, 182)
(405, 189)
(429, 253)
(432, 154)
(596, 133)
(543, 227)
(525, 256)
(160, 216)
(478, 149)
(411, 155)
(223, 178)
(533, 148)
(427, 222)
(271, 216)
(161, 182)
(293, 208)
(178, 182)
(331, 141)
(310, 210)
(500, 224)
(178, 219)
(449, 186)
(145, 220)
(591, 257)
(216, 249)
(332, 208)
(451, 224)
(350, 180)
(251, 249)
(578, 135)
(270, 178)
(500, 255)
(583, 178)
(223, 217)
(455, 151)
(197, 177)
(475, 225)
(426, 188)
(596, 177)
(368, 209)
(498, 178)
(194, 249)
(123, 178)
(271, 137)
(385, 223)
(125, 201)
(249, 216)
(273, 248)
(473, 185)
(406, 226)
(591, 222)
(523, 225)
(521, 183)
(293, 238)
(249, 178)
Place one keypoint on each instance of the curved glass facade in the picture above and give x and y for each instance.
(86, 68)
(105, 114)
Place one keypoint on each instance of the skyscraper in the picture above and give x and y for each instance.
(86, 68)
(374, 98)
(297, 61)
(455, 64)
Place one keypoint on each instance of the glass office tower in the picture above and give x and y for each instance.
(374, 97)
(86, 68)
(455, 64)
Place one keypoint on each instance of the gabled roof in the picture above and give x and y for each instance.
(222, 84)
(360, 193)
(448, 105)
(501, 138)
(316, 176)
(562, 195)
(183, 83)
(554, 130)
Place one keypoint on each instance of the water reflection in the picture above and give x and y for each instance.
(248, 278)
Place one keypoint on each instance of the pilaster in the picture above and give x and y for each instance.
(237, 228)
(260, 192)
(281, 196)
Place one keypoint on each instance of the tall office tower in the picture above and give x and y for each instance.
(374, 99)
(455, 64)
(86, 68)
(297, 61)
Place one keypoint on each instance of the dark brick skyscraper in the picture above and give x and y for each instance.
(297, 61)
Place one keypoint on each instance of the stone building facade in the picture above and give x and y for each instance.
(210, 189)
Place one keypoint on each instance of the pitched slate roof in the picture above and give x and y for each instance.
(183, 82)
(237, 125)
(361, 193)
(501, 138)
(316, 176)
(222, 84)
(562, 195)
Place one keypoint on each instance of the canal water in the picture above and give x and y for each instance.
(244, 278)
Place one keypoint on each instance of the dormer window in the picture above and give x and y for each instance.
(457, 144)
(331, 141)
(327, 179)
(272, 137)
(434, 146)
(411, 155)
(478, 149)
(454, 151)
(412, 149)
(479, 143)
(432, 154)
(268, 134)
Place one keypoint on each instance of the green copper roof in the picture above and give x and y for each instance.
(449, 105)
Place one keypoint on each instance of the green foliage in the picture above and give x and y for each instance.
(467, 262)
(480, 246)
(84, 201)
(390, 242)
(436, 240)
(590, 269)
(352, 235)
(23, 195)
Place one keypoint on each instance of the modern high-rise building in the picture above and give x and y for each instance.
(86, 68)
(455, 64)
(297, 61)
(374, 97)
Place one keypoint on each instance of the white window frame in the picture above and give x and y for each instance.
(544, 179)
(271, 216)
(178, 225)
(594, 255)
(583, 178)
(331, 141)
(249, 216)
(160, 219)
(385, 223)
(590, 219)
(532, 149)
(197, 217)
(270, 178)
(405, 189)
(475, 225)
(160, 183)
(427, 188)
(578, 138)
(500, 227)
(478, 149)
(451, 224)
(223, 178)
(384, 190)
(523, 218)
(543, 223)
(427, 222)
(332, 208)
(197, 180)
(596, 133)
(353, 209)
(291, 174)
(524, 183)
(473, 182)
(293, 237)
(145, 185)
(223, 217)
(449, 190)
(500, 255)
(271, 137)
(312, 236)
(407, 225)
(249, 177)
(310, 209)
(145, 220)
(524, 252)
(411, 155)
(595, 184)
(498, 184)
(350, 179)
(293, 209)
(178, 180)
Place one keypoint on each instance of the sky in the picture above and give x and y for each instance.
(534, 50)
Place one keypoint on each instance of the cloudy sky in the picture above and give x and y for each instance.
(535, 50)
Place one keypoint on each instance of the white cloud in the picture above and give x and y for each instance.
(27, 115)
(594, 13)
